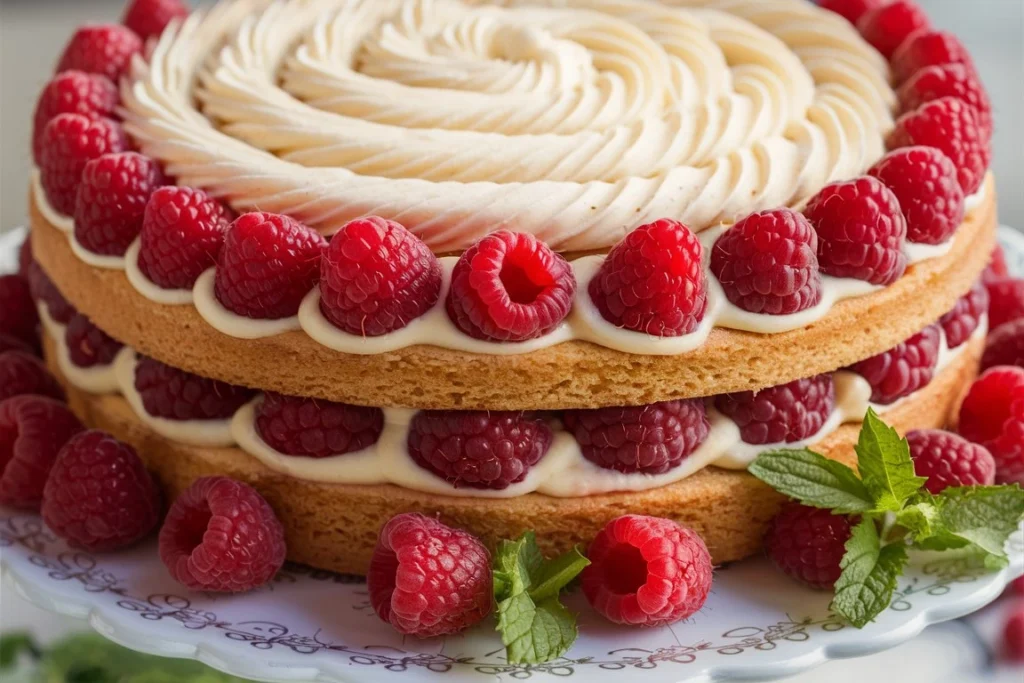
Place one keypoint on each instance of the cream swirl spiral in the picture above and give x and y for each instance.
(575, 120)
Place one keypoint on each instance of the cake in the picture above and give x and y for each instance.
(530, 264)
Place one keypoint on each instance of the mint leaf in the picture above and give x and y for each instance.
(12, 645)
(982, 517)
(883, 459)
(869, 572)
(813, 479)
(555, 575)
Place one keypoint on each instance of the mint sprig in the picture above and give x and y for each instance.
(893, 513)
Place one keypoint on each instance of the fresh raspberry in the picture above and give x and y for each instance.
(315, 428)
(961, 322)
(88, 345)
(178, 395)
(926, 184)
(221, 535)
(851, 10)
(478, 449)
(653, 281)
(32, 431)
(767, 263)
(427, 579)
(99, 495)
(9, 343)
(70, 141)
(997, 267)
(652, 439)
(44, 290)
(861, 231)
(992, 415)
(887, 26)
(1005, 346)
(105, 49)
(901, 370)
(949, 80)
(510, 287)
(1006, 301)
(946, 459)
(111, 201)
(1013, 635)
(647, 571)
(148, 18)
(1016, 586)
(377, 277)
(808, 544)
(783, 414)
(22, 373)
(951, 126)
(267, 265)
(73, 92)
(928, 48)
(182, 233)
(18, 314)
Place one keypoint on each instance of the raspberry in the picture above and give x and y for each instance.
(73, 92)
(951, 126)
(651, 439)
(992, 415)
(315, 428)
(902, 370)
(148, 18)
(182, 234)
(32, 431)
(112, 199)
(478, 449)
(267, 265)
(18, 315)
(783, 414)
(851, 10)
(9, 343)
(928, 48)
(887, 26)
(427, 579)
(961, 322)
(653, 281)
(174, 394)
(70, 141)
(1006, 300)
(105, 49)
(1005, 346)
(376, 277)
(767, 263)
(949, 80)
(22, 373)
(88, 345)
(510, 287)
(860, 230)
(647, 571)
(44, 290)
(1013, 635)
(99, 496)
(946, 459)
(997, 267)
(807, 544)
(926, 184)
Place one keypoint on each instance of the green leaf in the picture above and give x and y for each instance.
(883, 459)
(12, 645)
(813, 480)
(869, 573)
(555, 575)
(978, 516)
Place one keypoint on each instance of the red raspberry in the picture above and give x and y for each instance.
(316, 428)
(1016, 586)
(1005, 346)
(928, 48)
(88, 345)
(961, 322)
(22, 373)
(44, 290)
(767, 263)
(73, 92)
(427, 579)
(70, 141)
(997, 267)
(18, 315)
(949, 80)
(105, 49)
(951, 126)
(902, 370)
(182, 234)
(647, 571)
(946, 459)
(25, 258)
(99, 496)
(376, 277)
(651, 439)
(178, 395)
(851, 10)
(1006, 301)
(783, 414)
(478, 449)
(861, 231)
(653, 281)
(1013, 635)
(221, 535)
(32, 431)
(887, 26)
(510, 287)
(111, 201)
(148, 18)
(808, 544)
(926, 184)
(9, 343)
(267, 265)
(992, 415)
